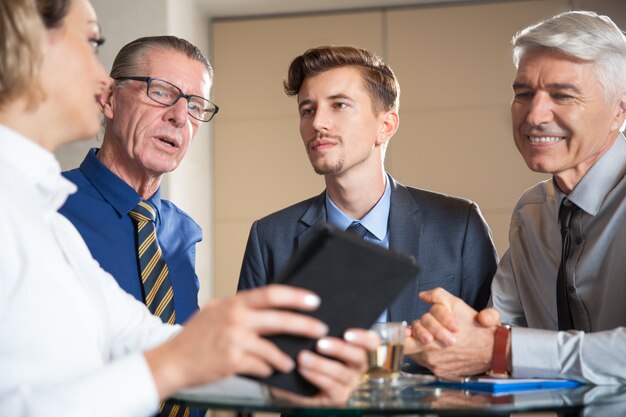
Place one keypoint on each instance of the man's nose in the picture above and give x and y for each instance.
(177, 112)
(540, 110)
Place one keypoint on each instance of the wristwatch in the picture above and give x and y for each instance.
(498, 358)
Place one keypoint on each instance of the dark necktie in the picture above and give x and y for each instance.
(564, 312)
(155, 279)
(357, 228)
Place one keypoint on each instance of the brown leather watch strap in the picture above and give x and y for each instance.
(500, 343)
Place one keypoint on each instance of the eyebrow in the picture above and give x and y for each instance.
(304, 103)
(553, 86)
(333, 97)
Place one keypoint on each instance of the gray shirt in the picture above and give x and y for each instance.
(524, 287)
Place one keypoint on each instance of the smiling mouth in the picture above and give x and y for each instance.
(545, 139)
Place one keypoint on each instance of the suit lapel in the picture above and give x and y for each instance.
(314, 215)
(405, 230)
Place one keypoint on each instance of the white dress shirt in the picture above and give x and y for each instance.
(70, 338)
(524, 287)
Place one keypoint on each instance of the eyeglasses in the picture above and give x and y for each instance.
(168, 94)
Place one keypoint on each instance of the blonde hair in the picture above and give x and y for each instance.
(21, 34)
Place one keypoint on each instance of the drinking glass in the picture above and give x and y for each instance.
(385, 362)
(379, 385)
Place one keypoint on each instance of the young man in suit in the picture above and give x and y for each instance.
(348, 104)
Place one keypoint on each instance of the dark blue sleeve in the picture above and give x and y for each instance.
(253, 273)
(480, 261)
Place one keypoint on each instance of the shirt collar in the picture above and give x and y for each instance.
(112, 188)
(375, 221)
(38, 165)
(592, 189)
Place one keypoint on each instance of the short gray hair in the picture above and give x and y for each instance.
(585, 36)
(131, 56)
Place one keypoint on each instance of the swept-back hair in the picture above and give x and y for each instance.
(379, 79)
(130, 57)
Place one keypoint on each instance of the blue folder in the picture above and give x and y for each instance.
(499, 385)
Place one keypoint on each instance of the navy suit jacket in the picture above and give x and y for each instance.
(447, 236)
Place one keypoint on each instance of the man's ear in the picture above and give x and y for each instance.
(105, 100)
(620, 116)
(388, 126)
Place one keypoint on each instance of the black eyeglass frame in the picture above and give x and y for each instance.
(148, 81)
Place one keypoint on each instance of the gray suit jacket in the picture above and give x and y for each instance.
(447, 236)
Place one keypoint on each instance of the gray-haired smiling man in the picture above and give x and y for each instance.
(561, 283)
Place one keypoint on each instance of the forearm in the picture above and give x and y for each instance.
(166, 370)
(591, 357)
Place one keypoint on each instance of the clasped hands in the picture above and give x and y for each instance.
(452, 340)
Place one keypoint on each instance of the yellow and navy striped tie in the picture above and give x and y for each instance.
(158, 293)
(155, 277)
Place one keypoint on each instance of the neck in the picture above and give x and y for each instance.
(356, 195)
(568, 179)
(144, 183)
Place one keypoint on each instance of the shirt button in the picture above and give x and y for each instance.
(578, 240)
(571, 289)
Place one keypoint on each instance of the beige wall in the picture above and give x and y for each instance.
(455, 74)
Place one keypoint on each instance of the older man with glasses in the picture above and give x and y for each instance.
(152, 112)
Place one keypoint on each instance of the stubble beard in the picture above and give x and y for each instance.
(324, 165)
(328, 168)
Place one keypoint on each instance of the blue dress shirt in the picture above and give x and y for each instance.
(99, 210)
(375, 221)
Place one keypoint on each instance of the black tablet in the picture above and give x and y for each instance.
(356, 281)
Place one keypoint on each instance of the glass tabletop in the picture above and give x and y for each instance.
(419, 396)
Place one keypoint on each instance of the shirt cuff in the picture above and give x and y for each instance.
(132, 389)
(534, 353)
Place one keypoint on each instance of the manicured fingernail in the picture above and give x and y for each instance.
(349, 336)
(290, 366)
(312, 300)
(323, 344)
(323, 328)
(305, 358)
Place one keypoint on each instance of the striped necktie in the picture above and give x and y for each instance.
(155, 279)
